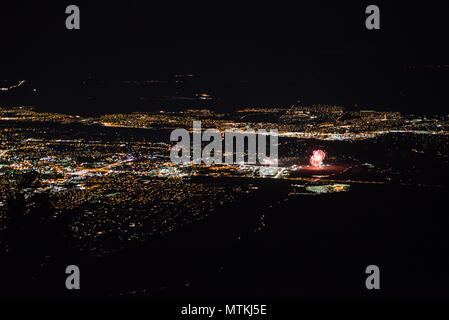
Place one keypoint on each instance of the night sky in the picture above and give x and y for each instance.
(321, 52)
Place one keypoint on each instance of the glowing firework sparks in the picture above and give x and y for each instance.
(317, 158)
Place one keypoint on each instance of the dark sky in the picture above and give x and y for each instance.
(134, 37)
(322, 47)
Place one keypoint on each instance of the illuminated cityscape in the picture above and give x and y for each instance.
(331, 160)
(121, 183)
(107, 181)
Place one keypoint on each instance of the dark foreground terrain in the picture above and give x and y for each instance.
(310, 247)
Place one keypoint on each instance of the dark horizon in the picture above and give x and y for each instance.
(313, 52)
